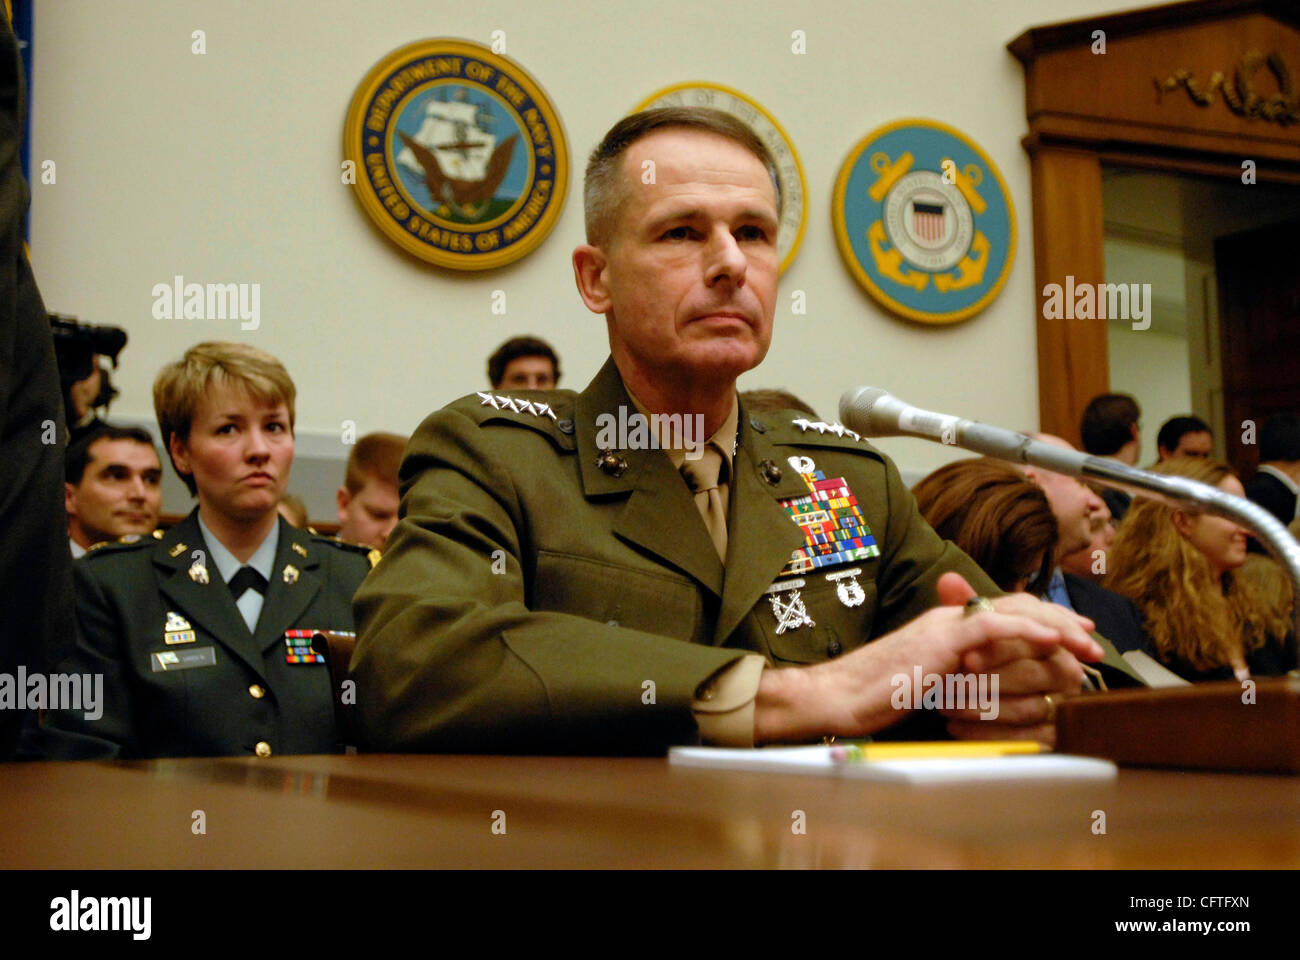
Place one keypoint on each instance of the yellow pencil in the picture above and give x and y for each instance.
(934, 750)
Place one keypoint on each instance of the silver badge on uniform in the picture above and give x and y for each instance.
(851, 594)
(790, 612)
(803, 465)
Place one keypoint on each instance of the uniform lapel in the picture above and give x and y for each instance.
(288, 595)
(760, 534)
(207, 604)
(660, 515)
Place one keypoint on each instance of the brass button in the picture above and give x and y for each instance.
(263, 749)
(257, 691)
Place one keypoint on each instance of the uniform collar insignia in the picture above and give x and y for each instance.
(498, 402)
(821, 426)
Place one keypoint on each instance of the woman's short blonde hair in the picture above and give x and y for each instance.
(180, 386)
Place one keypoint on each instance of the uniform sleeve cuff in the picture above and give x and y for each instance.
(724, 704)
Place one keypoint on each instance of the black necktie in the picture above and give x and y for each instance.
(245, 578)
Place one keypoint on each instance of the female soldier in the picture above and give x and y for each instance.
(203, 636)
(1180, 567)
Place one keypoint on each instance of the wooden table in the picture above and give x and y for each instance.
(440, 811)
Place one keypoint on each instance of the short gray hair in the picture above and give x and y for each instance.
(601, 192)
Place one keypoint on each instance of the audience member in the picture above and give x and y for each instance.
(1277, 480)
(1111, 427)
(294, 511)
(112, 486)
(997, 516)
(1076, 508)
(524, 363)
(1180, 567)
(368, 499)
(232, 588)
(773, 401)
(1090, 561)
(1186, 436)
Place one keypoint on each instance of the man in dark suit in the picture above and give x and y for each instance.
(37, 625)
(1277, 481)
(1075, 507)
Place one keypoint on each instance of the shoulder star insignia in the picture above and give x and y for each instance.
(821, 427)
(510, 402)
(838, 428)
(526, 406)
(487, 400)
(544, 408)
(801, 423)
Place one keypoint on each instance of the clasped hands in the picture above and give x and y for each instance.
(1030, 646)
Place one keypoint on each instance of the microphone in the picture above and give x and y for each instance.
(873, 412)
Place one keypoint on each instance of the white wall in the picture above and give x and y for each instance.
(225, 168)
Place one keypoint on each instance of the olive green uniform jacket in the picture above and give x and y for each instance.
(530, 601)
(129, 594)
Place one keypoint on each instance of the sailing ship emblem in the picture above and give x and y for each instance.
(458, 154)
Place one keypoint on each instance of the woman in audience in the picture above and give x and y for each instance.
(1182, 569)
(997, 516)
(203, 637)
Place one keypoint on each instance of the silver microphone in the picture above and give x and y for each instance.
(873, 412)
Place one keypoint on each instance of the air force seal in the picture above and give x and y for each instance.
(924, 221)
(457, 154)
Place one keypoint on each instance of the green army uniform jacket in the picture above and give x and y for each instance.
(183, 676)
(530, 601)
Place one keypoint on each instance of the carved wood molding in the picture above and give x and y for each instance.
(1239, 92)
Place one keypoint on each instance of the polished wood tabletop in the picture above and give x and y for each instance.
(546, 812)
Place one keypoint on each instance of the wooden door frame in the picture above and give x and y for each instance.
(1086, 110)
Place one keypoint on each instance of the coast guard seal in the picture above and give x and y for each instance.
(924, 221)
(789, 171)
(459, 156)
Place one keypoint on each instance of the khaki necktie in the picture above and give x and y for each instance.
(702, 477)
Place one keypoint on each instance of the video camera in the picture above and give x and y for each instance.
(76, 345)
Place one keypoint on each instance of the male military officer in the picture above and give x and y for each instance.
(555, 583)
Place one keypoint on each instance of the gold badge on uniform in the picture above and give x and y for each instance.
(299, 549)
(851, 594)
(290, 573)
(176, 551)
(790, 613)
(177, 629)
(198, 572)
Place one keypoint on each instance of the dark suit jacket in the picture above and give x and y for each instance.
(129, 595)
(1271, 494)
(1116, 616)
(36, 627)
